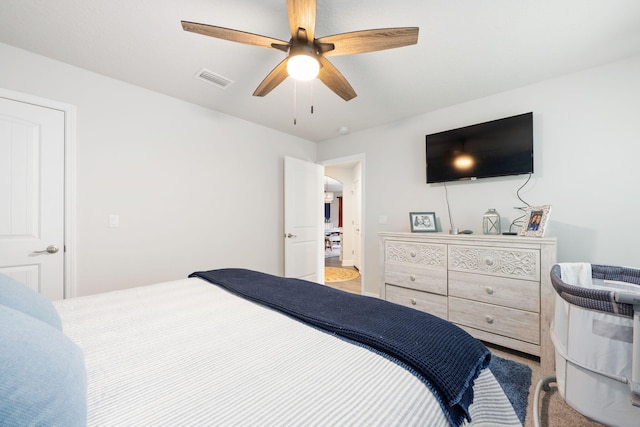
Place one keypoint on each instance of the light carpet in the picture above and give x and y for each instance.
(338, 274)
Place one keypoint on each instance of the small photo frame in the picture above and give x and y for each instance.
(535, 221)
(422, 222)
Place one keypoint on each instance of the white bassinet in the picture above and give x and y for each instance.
(596, 335)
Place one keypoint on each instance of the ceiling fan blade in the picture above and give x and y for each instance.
(234, 35)
(273, 79)
(334, 80)
(369, 40)
(302, 14)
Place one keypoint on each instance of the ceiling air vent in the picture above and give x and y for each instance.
(213, 78)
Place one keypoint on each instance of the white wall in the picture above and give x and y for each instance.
(587, 146)
(195, 189)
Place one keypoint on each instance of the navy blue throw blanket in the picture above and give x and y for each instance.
(443, 354)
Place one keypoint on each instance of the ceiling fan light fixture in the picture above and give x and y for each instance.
(303, 67)
(306, 53)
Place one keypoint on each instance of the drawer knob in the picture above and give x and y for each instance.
(489, 319)
(413, 301)
(489, 290)
(412, 278)
(488, 261)
(413, 254)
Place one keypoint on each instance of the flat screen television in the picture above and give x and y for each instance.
(497, 148)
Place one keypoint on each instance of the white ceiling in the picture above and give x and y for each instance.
(466, 49)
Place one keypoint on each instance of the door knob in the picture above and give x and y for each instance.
(51, 249)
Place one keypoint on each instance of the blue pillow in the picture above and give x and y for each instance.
(14, 294)
(43, 379)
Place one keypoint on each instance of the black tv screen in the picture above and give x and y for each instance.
(496, 148)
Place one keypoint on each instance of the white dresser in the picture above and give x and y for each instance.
(497, 288)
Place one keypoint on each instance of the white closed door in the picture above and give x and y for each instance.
(32, 196)
(303, 210)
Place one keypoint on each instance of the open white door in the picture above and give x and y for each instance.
(303, 210)
(32, 144)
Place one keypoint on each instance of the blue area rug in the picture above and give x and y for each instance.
(515, 379)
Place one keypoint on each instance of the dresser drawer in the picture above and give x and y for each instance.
(506, 292)
(424, 254)
(414, 277)
(517, 324)
(423, 301)
(502, 262)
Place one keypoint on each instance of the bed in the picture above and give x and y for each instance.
(224, 348)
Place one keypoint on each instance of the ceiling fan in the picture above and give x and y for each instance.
(304, 50)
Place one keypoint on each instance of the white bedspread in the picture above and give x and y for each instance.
(189, 353)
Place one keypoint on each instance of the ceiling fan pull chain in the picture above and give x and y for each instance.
(311, 96)
(295, 102)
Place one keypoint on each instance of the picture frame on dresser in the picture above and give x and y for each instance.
(535, 218)
(422, 222)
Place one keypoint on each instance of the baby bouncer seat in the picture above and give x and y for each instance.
(596, 336)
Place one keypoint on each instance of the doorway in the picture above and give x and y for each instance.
(337, 275)
(333, 218)
(343, 219)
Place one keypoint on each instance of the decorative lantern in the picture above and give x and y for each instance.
(491, 222)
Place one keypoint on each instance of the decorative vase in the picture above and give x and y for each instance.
(491, 222)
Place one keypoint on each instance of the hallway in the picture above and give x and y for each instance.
(352, 286)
